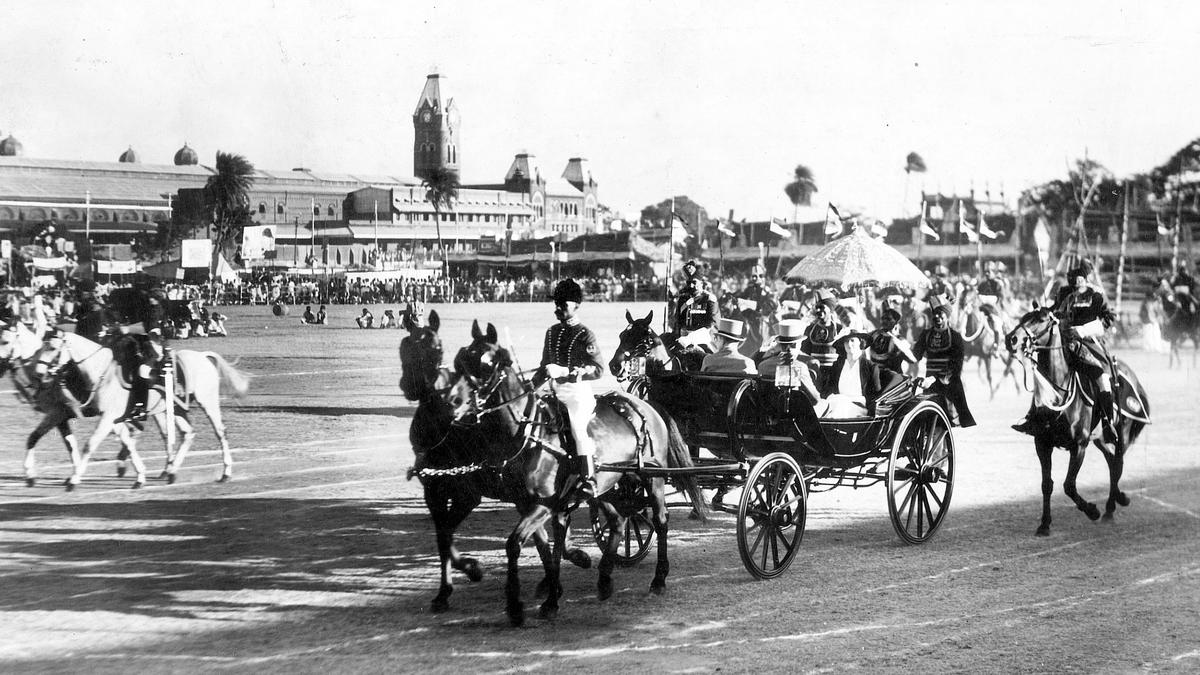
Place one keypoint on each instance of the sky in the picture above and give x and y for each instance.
(704, 99)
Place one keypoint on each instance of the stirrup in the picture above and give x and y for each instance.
(137, 414)
(1025, 426)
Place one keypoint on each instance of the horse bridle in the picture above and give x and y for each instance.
(1029, 342)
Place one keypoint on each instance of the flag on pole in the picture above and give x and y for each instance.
(723, 228)
(779, 229)
(925, 228)
(965, 227)
(1163, 230)
(833, 221)
(984, 229)
(878, 228)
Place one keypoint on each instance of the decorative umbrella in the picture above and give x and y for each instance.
(857, 260)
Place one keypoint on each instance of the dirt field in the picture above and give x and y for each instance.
(319, 557)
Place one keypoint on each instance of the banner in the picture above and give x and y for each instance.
(778, 228)
(5, 249)
(195, 253)
(257, 241)
(116, 267)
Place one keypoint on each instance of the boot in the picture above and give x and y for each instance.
(1026, 425)
(139, 390)
(587, 476)
(1104, 406)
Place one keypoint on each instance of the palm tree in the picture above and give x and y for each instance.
(227, 196)
(441, 189)
(913, 163)
(801, 189)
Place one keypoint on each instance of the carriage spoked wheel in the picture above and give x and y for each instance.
(771, 515)
(638, 533)
(920, 476)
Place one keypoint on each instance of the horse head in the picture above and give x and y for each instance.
(637, 341)
(1034, 330)
(480, 361)
(421, 359)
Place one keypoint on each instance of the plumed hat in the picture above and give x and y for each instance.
(826, 297)
(938, 304)
(567, 291)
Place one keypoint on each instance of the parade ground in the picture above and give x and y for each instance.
(320, 557)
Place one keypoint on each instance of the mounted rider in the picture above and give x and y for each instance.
(89, 313)
(992, 294)
(139, 313)
(942, 349)
(571, 359)
(1082, 307)
(1184, 286)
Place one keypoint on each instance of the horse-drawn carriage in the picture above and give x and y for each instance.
(773, 444)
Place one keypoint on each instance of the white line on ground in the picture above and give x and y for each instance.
(325, 372)
(1171, 507)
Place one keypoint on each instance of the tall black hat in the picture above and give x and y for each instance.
(567, 291)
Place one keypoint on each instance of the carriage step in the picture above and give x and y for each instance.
(730, 468)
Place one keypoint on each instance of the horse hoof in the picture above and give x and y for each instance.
(604, 589)
(516, 615)
(138, 485)
(171, 479)
(472, 569)
(542, 590)
(30, 482)
(164, 475)
(1107, 517)
(658, 587)
(1043, 531)
(70, 486)
(1092, 512)
(579, 558)
(547, 612)
(225, 479)
(1123, 499)
(120, 472)
(439, 605)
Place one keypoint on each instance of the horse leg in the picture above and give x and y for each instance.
(448, 511)
(213, 410)
(526, 528)
(129, 439)
(189, 436)
(160, 422)
(660, 516)
(987, 366)
(614, 523)
(1044, 452)
(559, 526)
(1078, 453)
(42, 429)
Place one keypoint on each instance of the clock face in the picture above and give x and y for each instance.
(425, 116)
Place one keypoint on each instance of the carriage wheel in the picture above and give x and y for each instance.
(921, 473)
(637, 534)
(638, 387)
(771, 515)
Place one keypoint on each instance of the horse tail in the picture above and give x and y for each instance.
(678, 456)
(238, 381)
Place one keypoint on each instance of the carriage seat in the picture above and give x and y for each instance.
(841, 406)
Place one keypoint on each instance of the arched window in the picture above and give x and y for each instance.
(330, 210)
(317, 210)
(279, 209)
(262, 207)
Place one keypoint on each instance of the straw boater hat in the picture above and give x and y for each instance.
(567, 290)
(730, 329)
(789, 331)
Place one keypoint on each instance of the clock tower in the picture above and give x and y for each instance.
(435, 130)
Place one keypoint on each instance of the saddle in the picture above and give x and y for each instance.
(559, 423)
(1128, 400)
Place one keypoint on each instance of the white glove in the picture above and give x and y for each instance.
(556, 371)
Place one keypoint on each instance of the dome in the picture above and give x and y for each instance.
(186, 156)
(128, 157)
(11, 147)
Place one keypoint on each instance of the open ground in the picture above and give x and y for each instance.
(319, 556)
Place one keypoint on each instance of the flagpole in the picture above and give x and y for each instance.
(670, 282)
(1124, 240)
(1178, 218)
(958, 248)
(921, 229)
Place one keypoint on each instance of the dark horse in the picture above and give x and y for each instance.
(453, 463)
(519, 426)
(1181, 322)
(1063, 411)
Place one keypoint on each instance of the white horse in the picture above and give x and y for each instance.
(94, 380)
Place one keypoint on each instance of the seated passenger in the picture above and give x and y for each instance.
(726, 358)
(366, 319)
(785, 363)
(882, 368)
